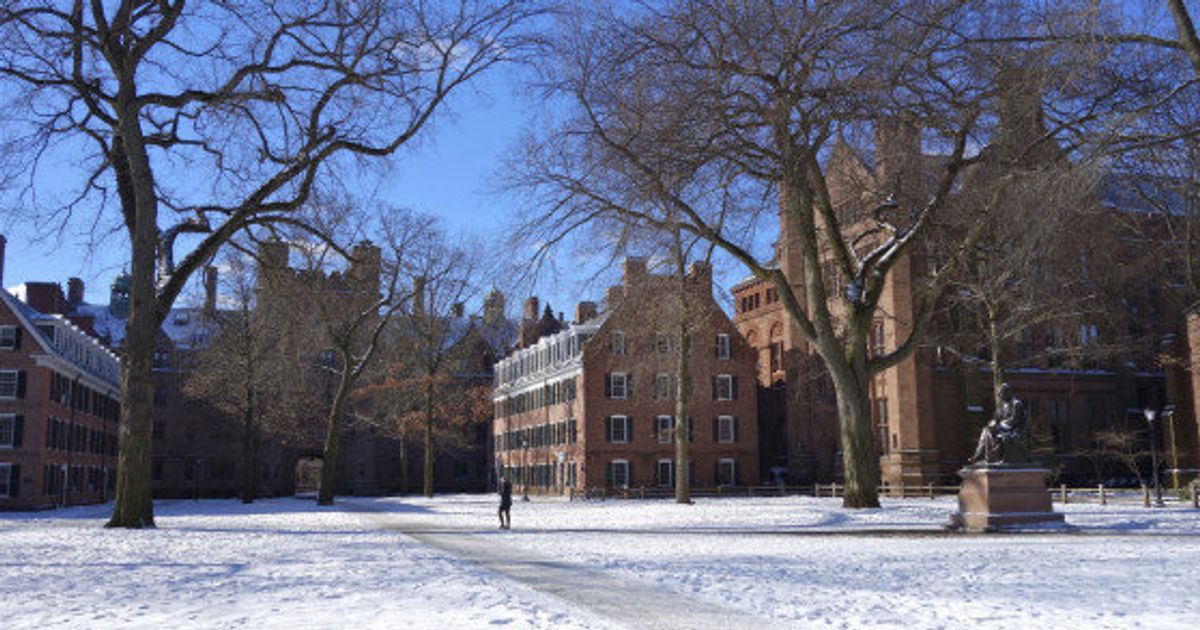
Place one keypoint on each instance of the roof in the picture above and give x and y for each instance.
(186, 327)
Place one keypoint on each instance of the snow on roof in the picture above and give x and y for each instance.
(186, 327)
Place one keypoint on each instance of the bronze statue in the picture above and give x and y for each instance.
(1002, 441)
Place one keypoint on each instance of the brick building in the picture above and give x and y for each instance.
(59, 408)
(927, 410)
(591, 404)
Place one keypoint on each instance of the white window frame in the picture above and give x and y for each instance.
(732, 477)
(623, 465)
(662, 387)
(612, 424)
(8, 337)
(662, 343)
(724, 436)
(16, 384)
(613, 379)
(6, 477)
(616, 342)
(664, 430)
(11, 420)
(724, 345)
(670, 476)
(728, 393)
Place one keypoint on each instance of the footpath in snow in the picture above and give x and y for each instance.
(426, 563)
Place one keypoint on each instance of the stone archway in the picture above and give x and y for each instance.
(308, 475)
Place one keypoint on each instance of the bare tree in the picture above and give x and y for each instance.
(214, 117)
(443, 274)
(673, 105)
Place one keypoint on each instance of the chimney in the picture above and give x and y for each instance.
(3, 244)
(418, 298)
(613, 297)
(457, 309)
(530, 314)
(898, 157)
(1022, 122)
(74, 292)
(585, 311)
(493, 308)
(210, 291)
(635, 268)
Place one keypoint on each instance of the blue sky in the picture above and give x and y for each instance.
(446, 173)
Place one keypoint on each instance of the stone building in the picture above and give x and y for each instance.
(928, 409)
(590, 404)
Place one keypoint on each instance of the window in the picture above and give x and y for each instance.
(664, 386)
(12, 384)
(881, 425)
(724, 387)
(8, 480)
(664, 426)
(618, 385)
(618, 473)
(619, 429)
(776, 356)
(9, 338)
(616, 342)
(662, 343)
(877, 339)
(722, 346)
(664, 473)
(726, 472)
(725, 430)
(10, 431)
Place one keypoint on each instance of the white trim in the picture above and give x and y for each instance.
(16, 384)
(724, 346)
(732, 430)
(612, 422)
(670, 475)
(729, 378)
(612, 385)
(613, 467)
(12, 431)
(732, 469)
(658, 428)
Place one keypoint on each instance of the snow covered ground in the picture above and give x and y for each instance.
(425, 563)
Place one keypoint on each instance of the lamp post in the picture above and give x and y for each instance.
(1151, 416)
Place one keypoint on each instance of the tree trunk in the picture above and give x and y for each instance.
(683, 389)
(860, 462)
(404, 462)
(333, 439)
(249, 451)
(134, 505)
(996, 364)
(428, 489)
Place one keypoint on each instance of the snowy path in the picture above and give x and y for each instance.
(631, 605)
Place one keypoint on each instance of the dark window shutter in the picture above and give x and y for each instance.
(714, 388)
(733, 385)
(717, 472)
(608, 429)
(18, 430)
(735, 472)
(608, 478)
(14, 481)
(735, 429)
(629, 429)
(17, 339)
(608, 384)
(629, 385)
(716, 429)
(629, 474)
(21, 384)
(691, 431)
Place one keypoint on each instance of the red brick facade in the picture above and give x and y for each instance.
(583, 408)
(59, 393)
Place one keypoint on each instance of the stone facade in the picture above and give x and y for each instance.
(592, 406)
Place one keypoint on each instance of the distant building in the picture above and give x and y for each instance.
(590, 404)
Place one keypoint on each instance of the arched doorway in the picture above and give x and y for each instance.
(308, 475)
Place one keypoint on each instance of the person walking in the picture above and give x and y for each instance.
(505, 503)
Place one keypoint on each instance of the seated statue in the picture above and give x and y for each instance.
(1002, 439)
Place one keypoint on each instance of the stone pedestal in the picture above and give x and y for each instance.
(996, 498)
